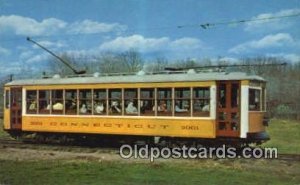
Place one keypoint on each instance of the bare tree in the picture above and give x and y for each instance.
(132, 61)
(205, 62)
(55, 66)
(187, 63)
(156, 65)
(109, 63)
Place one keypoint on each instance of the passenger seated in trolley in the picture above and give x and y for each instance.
(131, 109)
(48, 107)
(162, 107)
(115, 107)
(99, 108)
(145, 106)
(71, 104)
(205, 108)
(197, 105)
(83, 109)
(178, 109)
(58, 106)
(32, 105)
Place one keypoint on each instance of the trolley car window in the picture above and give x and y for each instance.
(71, 102)
(31, 102)
(235, 95)
(100, 101)
(115, 101)
(263, 103)
(254, 99)
(222, 96)
(164, 102)
(7, 97)
(147, 102)
(44, 102)
(85, 101)
(182, 101)
(131, 102)
(57, 102)
(201, 101)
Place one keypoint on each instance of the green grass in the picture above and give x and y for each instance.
(285, 135)
(198, 172)
(3, 134)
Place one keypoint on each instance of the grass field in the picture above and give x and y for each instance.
(284, 135)
(2, 133)
(178, 172)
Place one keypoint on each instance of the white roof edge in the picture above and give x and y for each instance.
(138, 79)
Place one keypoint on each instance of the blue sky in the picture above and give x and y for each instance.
(87, 28)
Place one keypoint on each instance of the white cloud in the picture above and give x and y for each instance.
(186, 43)
(83, 53)
(4, 51)
(269, 41)
(135, 42)
(37, 59)
(272, 24)
(143, 44)
(89, 26)
(27, 26)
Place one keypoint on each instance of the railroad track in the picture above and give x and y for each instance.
(289, 157)
(10, 143)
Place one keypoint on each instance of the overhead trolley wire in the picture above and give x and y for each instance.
(208, 25)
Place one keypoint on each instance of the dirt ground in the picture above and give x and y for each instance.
(25, 154)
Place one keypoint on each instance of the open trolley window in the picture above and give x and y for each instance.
(178, 102)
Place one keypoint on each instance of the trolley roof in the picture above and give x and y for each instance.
(152, 78)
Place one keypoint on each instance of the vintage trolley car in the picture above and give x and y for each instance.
(204, 106)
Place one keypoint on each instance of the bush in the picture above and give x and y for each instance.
(285, 111)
